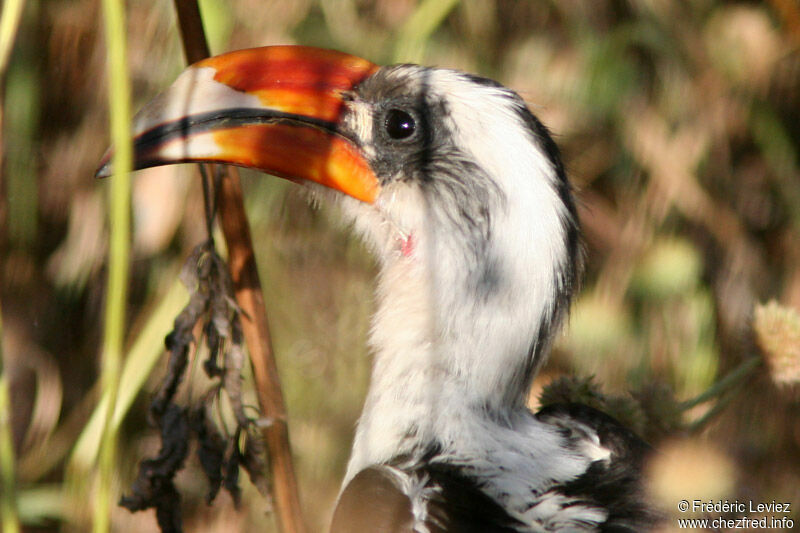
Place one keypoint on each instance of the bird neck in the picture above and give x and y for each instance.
(447, 358)
(469, 295)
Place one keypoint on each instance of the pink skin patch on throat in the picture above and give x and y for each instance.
(407, 246)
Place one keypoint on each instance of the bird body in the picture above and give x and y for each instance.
(436, 494)
(463, 199)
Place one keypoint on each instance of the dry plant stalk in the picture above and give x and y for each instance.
(247, 287)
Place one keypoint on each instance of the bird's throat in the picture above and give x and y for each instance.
(407, 244)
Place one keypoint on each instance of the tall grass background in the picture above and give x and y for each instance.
(680, 127)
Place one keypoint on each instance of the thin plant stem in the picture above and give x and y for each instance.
(10, 17)
(725, 384)
(9, 24)
(143, 354)
(255, 326)
(418, 28)
(712, 413)
(9, 510)
(119, 251)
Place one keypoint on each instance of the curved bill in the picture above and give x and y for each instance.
(275, 109)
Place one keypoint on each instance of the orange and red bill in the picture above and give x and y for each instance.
(275, 109)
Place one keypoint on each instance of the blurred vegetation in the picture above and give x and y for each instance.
(680, 127)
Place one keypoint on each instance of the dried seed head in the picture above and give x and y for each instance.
(777, 331)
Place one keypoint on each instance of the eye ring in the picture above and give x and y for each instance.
(399, 124)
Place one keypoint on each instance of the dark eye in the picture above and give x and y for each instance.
(399, 124)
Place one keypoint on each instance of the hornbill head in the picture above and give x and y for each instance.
(455, 185)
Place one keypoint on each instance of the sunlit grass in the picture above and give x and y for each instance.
(418, 29)
(8, 480)
(119, 255)
(9, 23)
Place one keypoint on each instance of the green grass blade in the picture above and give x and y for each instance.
(119, 251)
(418, 28)
(9, 23)
(9, 511)
(8, 485)
(139, 362)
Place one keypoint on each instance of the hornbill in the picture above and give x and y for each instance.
(461, 194)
